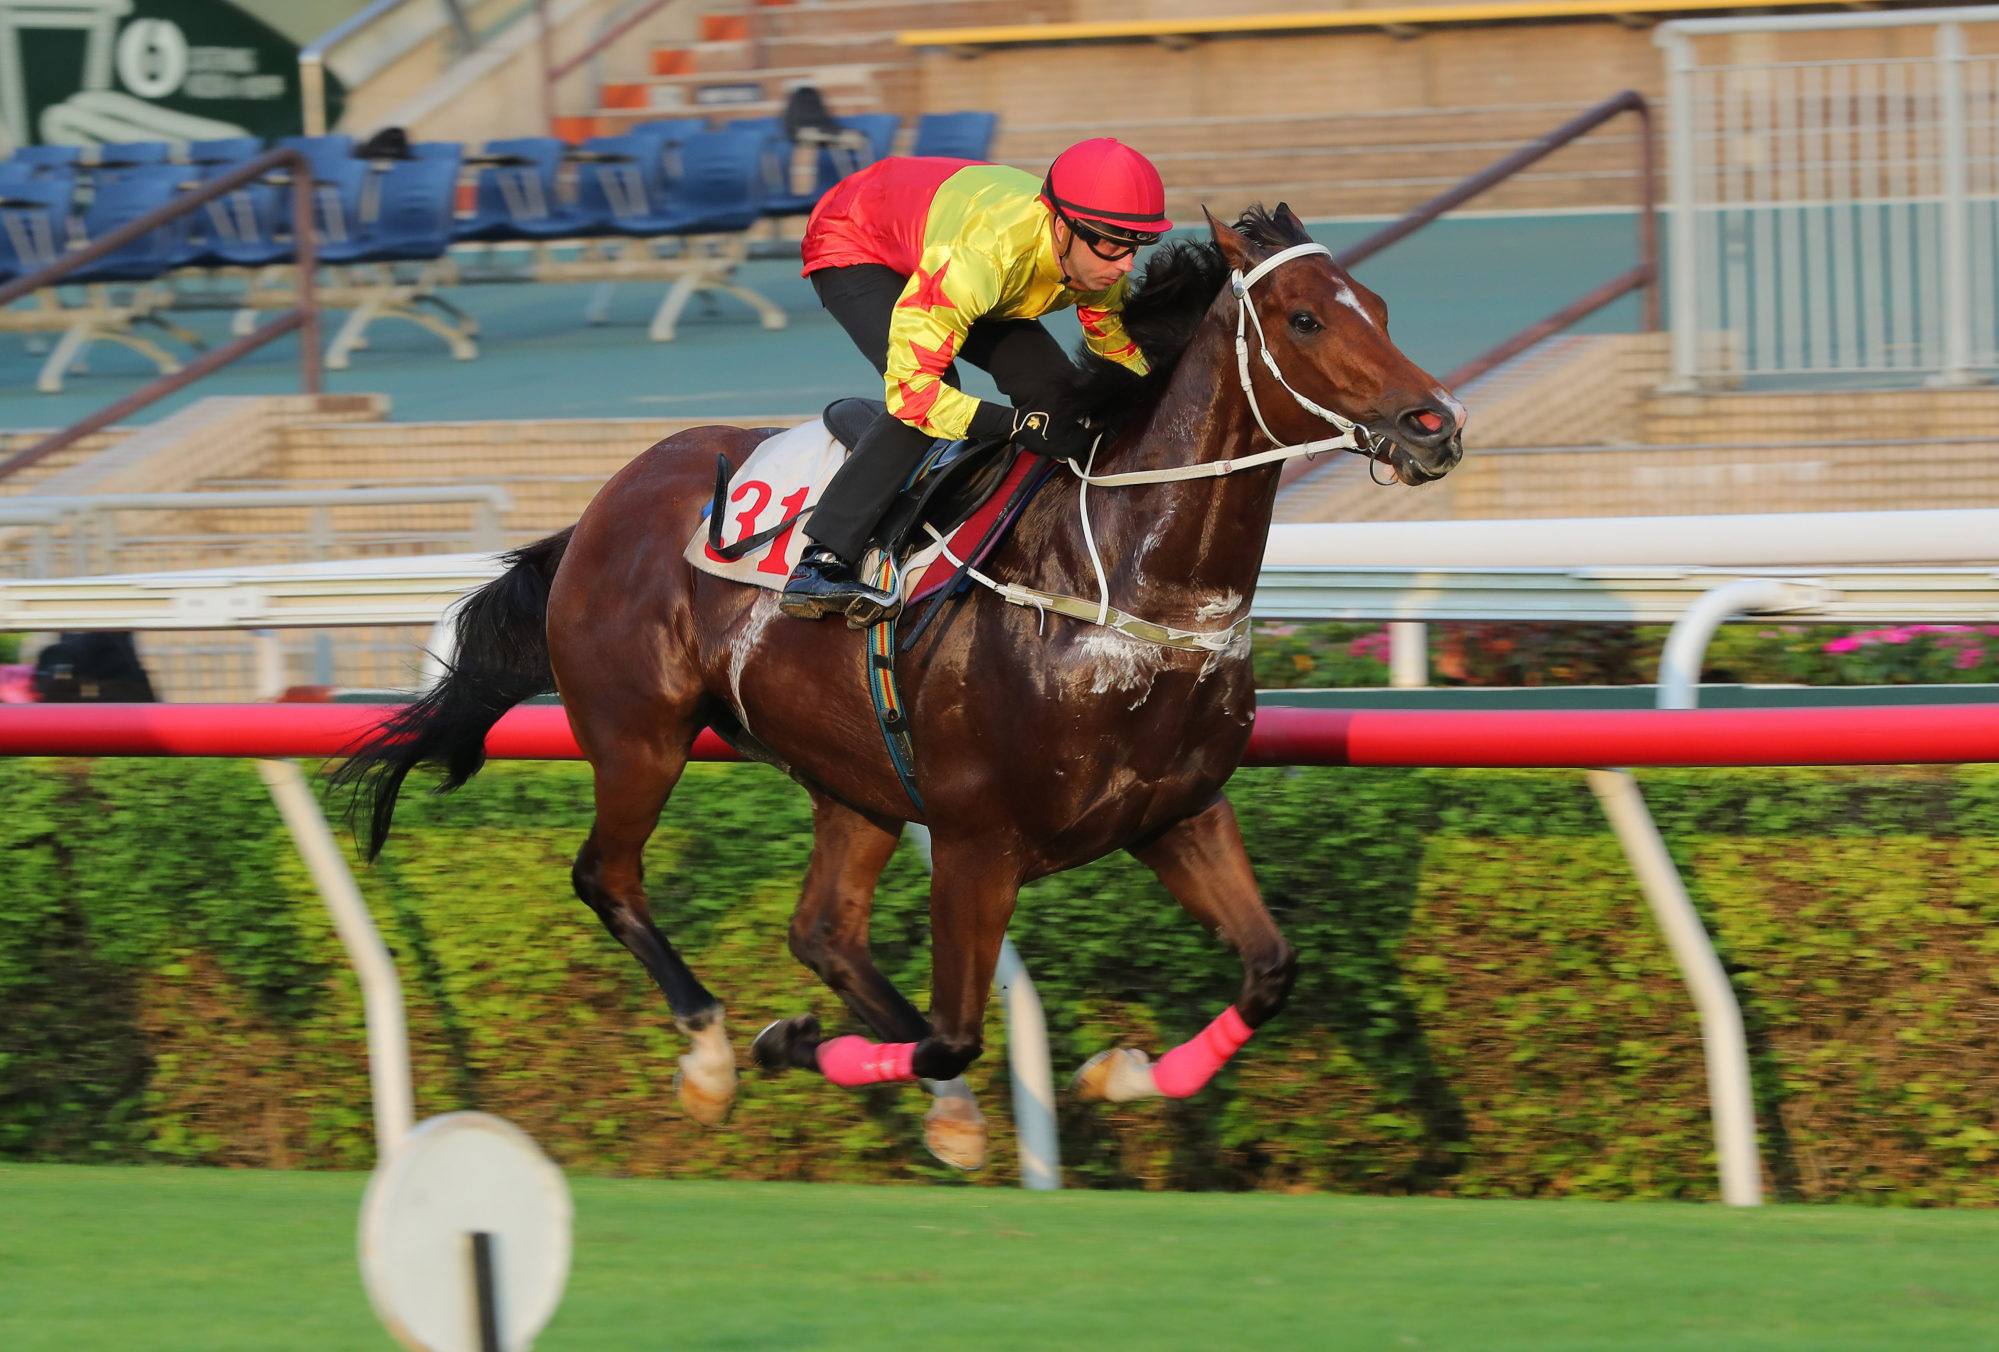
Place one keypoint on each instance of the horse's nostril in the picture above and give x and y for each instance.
(1428, 421)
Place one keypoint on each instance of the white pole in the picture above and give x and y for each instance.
(1027, 1058)
(1730, 1102)
(1686, 643)
(381, 992)
(1033, 1078)
(1408, 654)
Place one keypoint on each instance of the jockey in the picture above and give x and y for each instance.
(924, 261)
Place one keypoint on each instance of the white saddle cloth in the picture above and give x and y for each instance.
(783, 476)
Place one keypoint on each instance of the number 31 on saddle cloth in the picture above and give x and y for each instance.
(774, 492)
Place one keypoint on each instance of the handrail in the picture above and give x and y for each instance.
(304, 316)
(1644, 277)
(1252, 25)
(312, 56)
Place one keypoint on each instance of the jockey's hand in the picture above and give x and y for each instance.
(1046, 434)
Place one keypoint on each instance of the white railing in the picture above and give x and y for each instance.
(1837, 215)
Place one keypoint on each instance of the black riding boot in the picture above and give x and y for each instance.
(824, 584)
(845, 517)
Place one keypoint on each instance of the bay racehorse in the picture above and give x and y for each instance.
(1044, 738)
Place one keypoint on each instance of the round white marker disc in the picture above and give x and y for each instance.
(455, 1176)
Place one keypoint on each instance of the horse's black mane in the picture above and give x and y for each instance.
(1167, 302)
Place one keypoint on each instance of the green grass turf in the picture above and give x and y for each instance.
(146, 1259)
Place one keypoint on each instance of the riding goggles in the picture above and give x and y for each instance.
(1107, 242)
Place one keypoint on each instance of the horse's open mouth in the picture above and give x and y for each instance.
(1414, 468)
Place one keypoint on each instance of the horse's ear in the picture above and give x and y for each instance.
(1236, 247)
(1287, 221)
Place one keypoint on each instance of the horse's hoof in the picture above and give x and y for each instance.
(706, 1080)
(698, 1101)
(955, 1131)
(1115, 1076)
(788, 1044)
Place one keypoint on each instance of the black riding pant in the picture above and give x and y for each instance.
(1023, 359)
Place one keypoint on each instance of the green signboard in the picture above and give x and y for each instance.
(88, 72)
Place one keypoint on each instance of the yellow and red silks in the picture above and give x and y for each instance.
(974, 241)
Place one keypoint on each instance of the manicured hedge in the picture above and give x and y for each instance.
(1484, 1005)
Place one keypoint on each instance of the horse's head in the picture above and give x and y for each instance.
(1327, 337)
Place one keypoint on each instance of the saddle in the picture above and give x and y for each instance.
(949, 484)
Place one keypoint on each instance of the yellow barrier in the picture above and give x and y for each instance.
(1404, 16)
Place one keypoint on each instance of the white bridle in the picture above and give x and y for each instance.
(1351, 436)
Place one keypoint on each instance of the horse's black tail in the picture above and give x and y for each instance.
(501, 659)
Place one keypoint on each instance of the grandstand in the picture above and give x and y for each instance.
(662, 161)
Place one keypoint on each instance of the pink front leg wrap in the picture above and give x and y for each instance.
(852, 1061)
(1189, 1066)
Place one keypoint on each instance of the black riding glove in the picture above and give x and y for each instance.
(1046, 434)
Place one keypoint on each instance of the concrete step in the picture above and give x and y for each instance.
(27, 480)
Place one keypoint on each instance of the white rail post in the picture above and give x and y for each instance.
(1027, 1059)
(1724, 1044)
(1955, 226)
(381, 991)
(389, 1077)
(1408, 654)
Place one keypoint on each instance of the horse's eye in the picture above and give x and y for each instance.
(1304, 321)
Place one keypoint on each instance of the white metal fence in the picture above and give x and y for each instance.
(1835, 188)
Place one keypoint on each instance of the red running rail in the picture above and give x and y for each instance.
(1910, 735)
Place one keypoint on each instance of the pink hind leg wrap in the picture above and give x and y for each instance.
(1189, 1066)
(850, 1061)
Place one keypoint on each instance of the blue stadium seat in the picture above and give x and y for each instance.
(957, 136)
(339, 182)
(225, 151)
(48, 160)
(410, 214)
(879, 128)
(406, 218)
(34, 223)
(244, 221)
(438, 150)
(517, 201)
(323, 151)
(672, 130)
(719, 189)
(246, 228)
(832, 163)
(124, 198)
(627, 193)
(121, 155)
